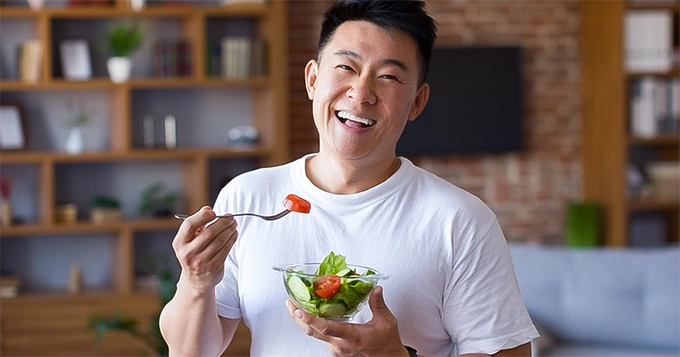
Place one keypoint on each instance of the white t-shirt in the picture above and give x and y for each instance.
(451, 281)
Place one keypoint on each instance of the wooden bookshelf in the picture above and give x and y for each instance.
(607, 142)
(23, 331)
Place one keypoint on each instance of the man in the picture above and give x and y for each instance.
(451, 286)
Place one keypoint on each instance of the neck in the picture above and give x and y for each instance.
(349, 176)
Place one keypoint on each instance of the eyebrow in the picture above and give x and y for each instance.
(388, 61)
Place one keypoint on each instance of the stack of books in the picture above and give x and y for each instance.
(30, 60)
(172, 58)
(236, 57)
(664, 177)
(654, 106)
(648, 40)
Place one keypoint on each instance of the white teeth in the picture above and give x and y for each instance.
(352, 117)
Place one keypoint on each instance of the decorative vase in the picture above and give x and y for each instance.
(36, 4)
(119, 69)
(137, 5)
(74, 140)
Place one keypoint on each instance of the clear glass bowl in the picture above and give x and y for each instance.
(302, 286)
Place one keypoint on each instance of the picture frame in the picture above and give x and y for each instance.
(75, 59)
(12, 127)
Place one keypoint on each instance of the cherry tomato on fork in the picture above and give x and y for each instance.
(296, 203)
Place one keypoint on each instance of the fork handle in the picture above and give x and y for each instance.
(185, 216)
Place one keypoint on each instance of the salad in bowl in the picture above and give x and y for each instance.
(331, 289)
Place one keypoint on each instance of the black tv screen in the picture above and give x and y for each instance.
(475, 103)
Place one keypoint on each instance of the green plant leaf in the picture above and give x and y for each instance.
(123, 39)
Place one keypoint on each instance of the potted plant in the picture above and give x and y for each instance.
(105, 209)
(155, 202)
(74, 141)
(152, 337)
(123, 40)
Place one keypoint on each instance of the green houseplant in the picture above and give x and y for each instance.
(156, 202)
(105, 209)
(152, 337)
(122, 41)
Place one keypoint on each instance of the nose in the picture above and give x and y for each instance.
(362, 90)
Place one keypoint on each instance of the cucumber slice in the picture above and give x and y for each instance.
(332, 310)
(310, 307)
(298, 288)
(343, 272)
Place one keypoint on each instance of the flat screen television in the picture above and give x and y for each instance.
(475, 103)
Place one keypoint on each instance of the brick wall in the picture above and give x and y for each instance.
(527, 190)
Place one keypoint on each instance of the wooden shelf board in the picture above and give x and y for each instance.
(11, 11)
(652, 204)
(11, 85)
(37, 157)
(84, 227)
(166, 10)
(663, 139)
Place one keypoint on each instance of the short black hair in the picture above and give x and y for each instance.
(411, 17)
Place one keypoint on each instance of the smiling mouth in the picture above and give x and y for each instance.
(349, 118)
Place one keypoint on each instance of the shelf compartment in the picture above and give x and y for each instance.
(153, 254)
(203, 115)
(33, 259)
(23, 179)
(80, 182)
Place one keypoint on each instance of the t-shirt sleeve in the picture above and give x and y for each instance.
(226, 291)
(483, 309)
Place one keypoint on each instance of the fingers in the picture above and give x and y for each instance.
(354, 339)
(202, 244)
(377, 303)
(194, 224)
(310, 324)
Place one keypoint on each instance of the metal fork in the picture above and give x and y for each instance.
(266, 218)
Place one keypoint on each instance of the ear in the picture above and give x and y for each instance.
(419, 102)
(311, 74)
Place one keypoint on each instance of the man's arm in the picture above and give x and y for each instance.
(189, 322)
(190, 325)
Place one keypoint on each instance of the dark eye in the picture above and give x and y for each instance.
(390, 77)
(345, 67)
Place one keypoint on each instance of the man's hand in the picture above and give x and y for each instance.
(202, 247)
(354, 339)
(189, 322)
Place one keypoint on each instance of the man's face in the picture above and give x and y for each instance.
(364, 89)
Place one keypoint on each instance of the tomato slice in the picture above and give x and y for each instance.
(296, 203)
(326, 286)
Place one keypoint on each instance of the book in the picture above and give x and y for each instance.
(675, 102)
(241, 57)
(259, 58)
(30, 60)
(172, 58)
(642, 122)
(648, 40)
(236, 57)
(654, 106)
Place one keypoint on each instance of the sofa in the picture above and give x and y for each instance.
(601, 301)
